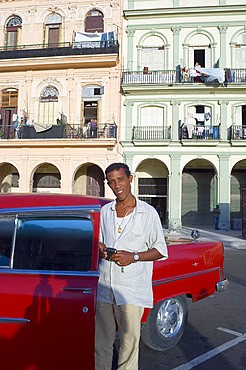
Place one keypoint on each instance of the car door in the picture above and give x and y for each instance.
(48, 283)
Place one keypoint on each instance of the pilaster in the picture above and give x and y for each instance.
(175, 120)
(128, 132)
(176, 32)
(224, 192)
(223, 119)
(130, 38)
(175, 184)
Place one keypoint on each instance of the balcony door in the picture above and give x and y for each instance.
(13, 28)
(9, 117)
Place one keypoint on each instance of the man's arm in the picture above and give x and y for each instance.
(124, 258)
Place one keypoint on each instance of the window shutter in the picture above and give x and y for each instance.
(238, 115)
(191, 57)
(208, 58)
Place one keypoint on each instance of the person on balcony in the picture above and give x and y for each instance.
(93, 128)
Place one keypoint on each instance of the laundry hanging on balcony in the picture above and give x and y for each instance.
(94, 40)
(40, 127)
(212, 74)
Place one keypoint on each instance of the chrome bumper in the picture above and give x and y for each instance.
(221, 286)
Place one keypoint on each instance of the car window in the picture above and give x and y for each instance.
(53, 243)
(6, 234)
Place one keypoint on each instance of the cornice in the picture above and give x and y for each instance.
(178, 11)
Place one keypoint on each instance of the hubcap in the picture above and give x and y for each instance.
(170, 317)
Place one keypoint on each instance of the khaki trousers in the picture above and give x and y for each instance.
(128, 318)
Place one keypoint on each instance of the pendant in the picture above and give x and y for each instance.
(119, 229)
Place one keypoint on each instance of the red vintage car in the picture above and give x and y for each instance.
(49, 275)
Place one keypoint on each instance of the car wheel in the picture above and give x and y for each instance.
(166, 323)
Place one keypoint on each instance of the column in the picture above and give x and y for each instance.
(223, 44)
(175, 120)
(130, 38)
(223, 120)
(224, 192)
(176, 32)
(175, 184)
(128, 126)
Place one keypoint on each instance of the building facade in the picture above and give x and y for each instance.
(59, 94)
(184, 115)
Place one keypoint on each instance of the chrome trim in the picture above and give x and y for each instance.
(181, 277)
(50, 272)
(86, 291)
(50, 209)
(11, 320)
(223, 285)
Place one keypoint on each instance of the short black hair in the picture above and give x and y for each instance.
(117, 166)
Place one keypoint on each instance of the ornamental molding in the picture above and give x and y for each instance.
(114, 3)
(49, 80)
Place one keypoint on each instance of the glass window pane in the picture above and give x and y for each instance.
(6, 234)
(54, 243)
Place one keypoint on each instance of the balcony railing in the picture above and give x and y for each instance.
(199, 132)
(59, 49)
(180, 77)
(60, 131)
(237, 132)
(151, 133)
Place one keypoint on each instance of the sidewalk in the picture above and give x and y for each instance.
(230, 238)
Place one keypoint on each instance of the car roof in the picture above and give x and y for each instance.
(21, 200)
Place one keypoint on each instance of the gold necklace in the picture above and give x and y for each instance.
(119, 225)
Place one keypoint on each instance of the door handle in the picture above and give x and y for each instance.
(83, 290)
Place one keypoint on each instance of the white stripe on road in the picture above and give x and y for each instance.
(230, 332)
(214, 352)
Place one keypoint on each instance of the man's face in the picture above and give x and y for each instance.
(120, 183)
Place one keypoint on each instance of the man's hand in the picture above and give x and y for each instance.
(123, 258)
(102, 250)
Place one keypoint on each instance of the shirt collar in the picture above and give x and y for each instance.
(140, 206)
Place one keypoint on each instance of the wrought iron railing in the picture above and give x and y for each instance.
(180, 76)
(151, 133)
(199, 132)
(80, 44)
(60, 131)
(150, 77)
(237, 132)
(59, 49)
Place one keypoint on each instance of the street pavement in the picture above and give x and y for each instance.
(230, 238)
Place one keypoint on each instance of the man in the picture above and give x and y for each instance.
(216, 213)
(134, 229)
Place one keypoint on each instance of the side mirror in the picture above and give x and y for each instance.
(195, 234)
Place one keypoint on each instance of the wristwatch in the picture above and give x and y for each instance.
(136, 257)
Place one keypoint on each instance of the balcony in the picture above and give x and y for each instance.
(199, 132)
(93, 53)
(237, 132)
(74, 132)
(59, 49)
(170, 77)
(151, 133)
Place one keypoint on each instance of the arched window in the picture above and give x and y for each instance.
(200, 51)
(94, 21)
(240, 51)
(53, 26)
(48, 107)
(13, 31)
(153, 54)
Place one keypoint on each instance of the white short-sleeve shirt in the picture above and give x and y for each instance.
(142, 231)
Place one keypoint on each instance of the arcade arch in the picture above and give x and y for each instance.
(46, 179)
(199, 193)
(89, 180)
(9, 178)
(238, 182)
(151, 185)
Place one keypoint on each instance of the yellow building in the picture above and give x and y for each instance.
(59, 94)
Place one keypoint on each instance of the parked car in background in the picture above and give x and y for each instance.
(49, 275)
